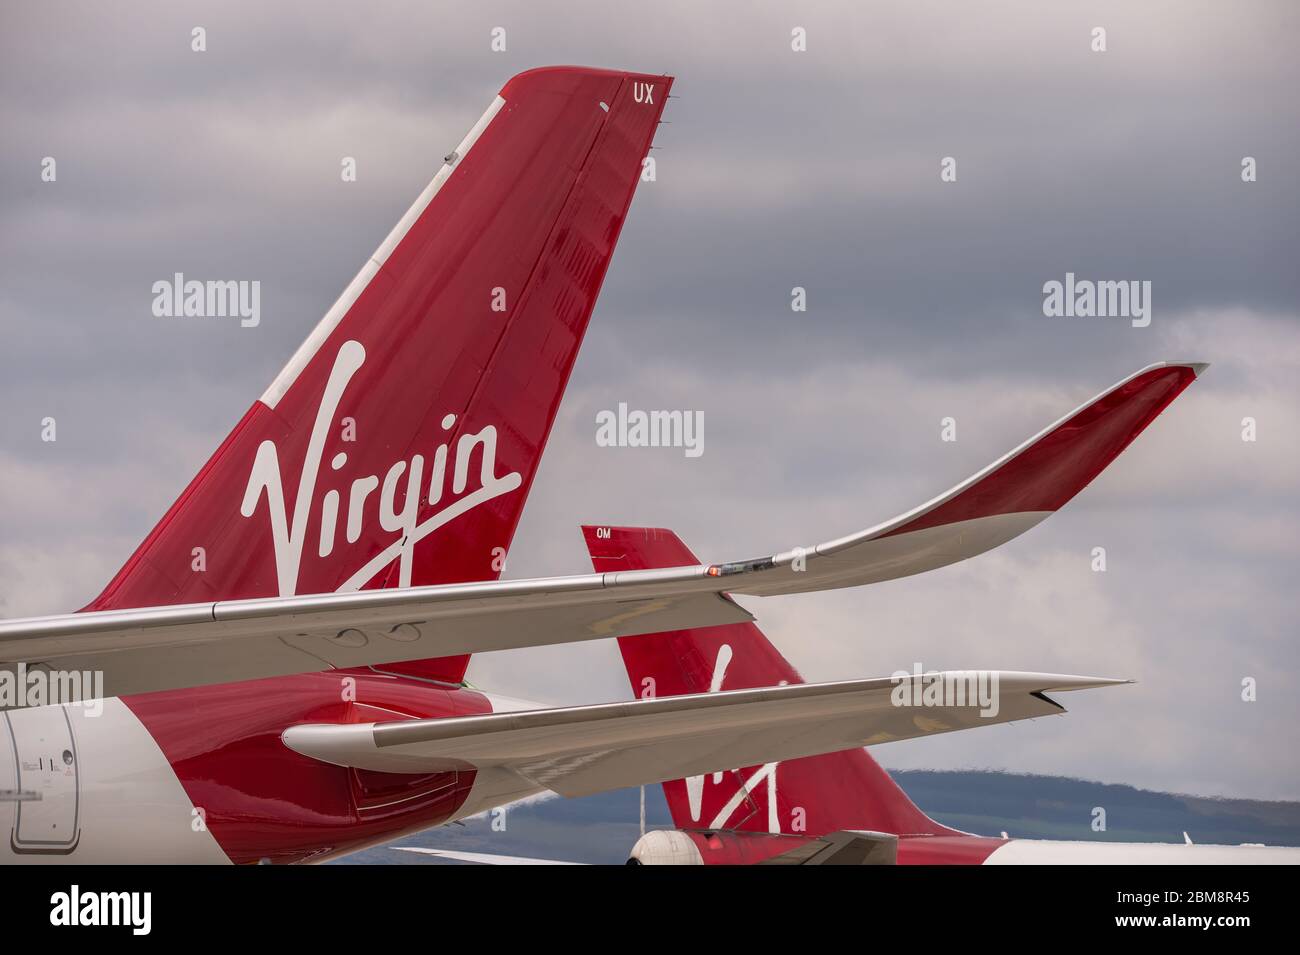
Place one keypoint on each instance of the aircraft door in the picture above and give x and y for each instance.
(46, 787)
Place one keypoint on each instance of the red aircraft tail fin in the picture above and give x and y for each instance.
(812, 796)
(398, 445)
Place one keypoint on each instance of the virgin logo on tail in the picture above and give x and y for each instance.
(288, 532)
(765, 773)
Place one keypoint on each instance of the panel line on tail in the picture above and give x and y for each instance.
(308, 349)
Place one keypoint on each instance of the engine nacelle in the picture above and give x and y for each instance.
(665, 847)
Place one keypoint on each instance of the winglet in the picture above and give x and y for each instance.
(989, 508)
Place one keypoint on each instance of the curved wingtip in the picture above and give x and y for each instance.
(991, 507)
(1197, 367)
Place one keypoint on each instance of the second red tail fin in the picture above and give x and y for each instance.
(812, 796)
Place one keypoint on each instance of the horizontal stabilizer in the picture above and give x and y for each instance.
(579, 750)
(845, 847)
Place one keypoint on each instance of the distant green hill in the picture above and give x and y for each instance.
(1057, 807)
(603, 828)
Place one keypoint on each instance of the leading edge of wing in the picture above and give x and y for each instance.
(578, 750)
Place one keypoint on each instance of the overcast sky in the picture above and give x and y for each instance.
(818, 169)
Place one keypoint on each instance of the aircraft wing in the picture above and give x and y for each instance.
(843, 847)
(230, 640)
(580, 750)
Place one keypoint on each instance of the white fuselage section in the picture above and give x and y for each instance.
(1048, 852)
(93, 789)
(90, 785)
